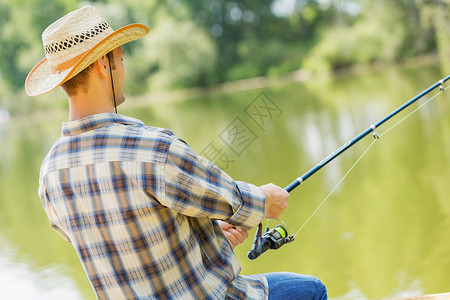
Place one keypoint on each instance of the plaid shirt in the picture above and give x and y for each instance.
(138, 205)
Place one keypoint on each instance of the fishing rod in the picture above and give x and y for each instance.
(278, 236)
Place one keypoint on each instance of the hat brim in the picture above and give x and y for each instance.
(42, 80)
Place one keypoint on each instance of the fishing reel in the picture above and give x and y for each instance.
(270, 239)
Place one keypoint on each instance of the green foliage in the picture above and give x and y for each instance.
(385, 31)
(181, 53)
(435, 16)
(204, 42)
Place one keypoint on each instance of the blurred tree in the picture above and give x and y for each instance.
(385, 31)
(237, 40)
(435, 15)
(179, 53)
(202, 42)
(241, 30)
(21, 25)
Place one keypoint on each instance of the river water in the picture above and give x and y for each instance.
(383, 233)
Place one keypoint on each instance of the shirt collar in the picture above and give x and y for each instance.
(96, 121)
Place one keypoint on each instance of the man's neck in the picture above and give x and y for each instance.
(76, 115)
(80, 107)
(93, 98)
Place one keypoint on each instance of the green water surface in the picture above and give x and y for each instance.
(384, 232)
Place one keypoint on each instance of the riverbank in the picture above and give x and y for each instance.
(242, 85)
(261, 82)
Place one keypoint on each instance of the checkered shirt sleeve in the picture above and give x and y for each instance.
(197, 188)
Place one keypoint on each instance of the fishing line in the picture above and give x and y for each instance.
(419, 107)
(279, 236)
(336, 186)
(376, 138)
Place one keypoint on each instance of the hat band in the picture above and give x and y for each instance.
(67, 64)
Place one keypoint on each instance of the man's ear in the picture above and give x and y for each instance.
(101, 65)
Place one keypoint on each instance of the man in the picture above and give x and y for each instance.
(140, 207)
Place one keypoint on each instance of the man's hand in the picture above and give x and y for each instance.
(233, 235)
(276, 200)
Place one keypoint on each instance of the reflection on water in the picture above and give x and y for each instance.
(19, 280)
(384, 233)
(319, 141)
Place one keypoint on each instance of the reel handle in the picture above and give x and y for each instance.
(271, 239)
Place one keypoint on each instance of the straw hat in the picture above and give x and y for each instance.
(74, 42)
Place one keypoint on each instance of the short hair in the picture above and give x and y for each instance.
(72, 85)
(80, 80)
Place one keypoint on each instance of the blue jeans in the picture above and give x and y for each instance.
(292, 286)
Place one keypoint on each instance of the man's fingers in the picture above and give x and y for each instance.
(276, 200)
(224, 225)
(234, 236)
(231, 239)
(239, 235)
